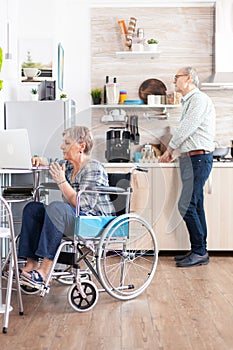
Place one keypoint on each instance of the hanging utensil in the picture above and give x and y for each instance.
(132, 136)
(137, 135)
(126, 132)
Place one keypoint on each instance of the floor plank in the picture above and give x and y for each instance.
(182, 309)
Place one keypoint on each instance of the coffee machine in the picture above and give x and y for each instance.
(117, 145)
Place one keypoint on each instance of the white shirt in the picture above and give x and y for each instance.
(196, 130)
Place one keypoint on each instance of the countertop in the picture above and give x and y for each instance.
(216, 164)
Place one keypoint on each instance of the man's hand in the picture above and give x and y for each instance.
(166, 157)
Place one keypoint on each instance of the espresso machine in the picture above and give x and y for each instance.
(117, 145)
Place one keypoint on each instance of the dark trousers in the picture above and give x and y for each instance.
(195, 171)
(43, 228)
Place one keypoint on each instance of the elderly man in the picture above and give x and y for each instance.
(194, 137)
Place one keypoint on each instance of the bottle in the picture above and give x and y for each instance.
(105, 94)
(112, 92)
(140, 33)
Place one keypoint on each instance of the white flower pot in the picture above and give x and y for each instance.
(34, 97)
(152, 47)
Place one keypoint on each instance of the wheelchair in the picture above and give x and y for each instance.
(114, 254)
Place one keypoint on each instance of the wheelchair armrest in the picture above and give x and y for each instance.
(106, 189)
(49, 186)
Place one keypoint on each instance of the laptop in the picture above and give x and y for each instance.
(15, 150)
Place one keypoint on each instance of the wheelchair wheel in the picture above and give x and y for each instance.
(29, 290)
(127, 256)
(64, 279)
(80, 303)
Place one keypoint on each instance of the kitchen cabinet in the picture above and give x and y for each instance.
(160, 207)
(219, 209)
(167, 223)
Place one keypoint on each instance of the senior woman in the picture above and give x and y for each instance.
(43, 226)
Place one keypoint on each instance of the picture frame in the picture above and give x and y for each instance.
(36, 54)
(60, 75)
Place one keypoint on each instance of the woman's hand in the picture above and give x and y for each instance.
(57, 172)
(37, 161)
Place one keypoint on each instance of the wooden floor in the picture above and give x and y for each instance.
(189, 308)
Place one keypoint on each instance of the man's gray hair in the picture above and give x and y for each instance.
(193, 73)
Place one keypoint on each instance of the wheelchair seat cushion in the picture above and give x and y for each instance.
(91, 226)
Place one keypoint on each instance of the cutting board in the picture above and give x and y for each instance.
(151, 87)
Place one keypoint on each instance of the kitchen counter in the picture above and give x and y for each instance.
(216, 164)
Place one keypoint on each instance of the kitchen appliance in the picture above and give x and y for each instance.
(222, 77)
(220, 152)
(117, 145)
(44, 121)
(47, 90)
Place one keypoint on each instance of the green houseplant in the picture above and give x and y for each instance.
(152, 44)
(63, 96)
(34, 94)
(96, 96)
(34, 91)
(152, 41)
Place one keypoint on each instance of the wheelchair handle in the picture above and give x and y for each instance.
(138, 168)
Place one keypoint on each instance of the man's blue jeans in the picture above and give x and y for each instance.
(195, 171)
(43, 227)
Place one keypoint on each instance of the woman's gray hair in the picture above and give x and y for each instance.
(80, 134)
(193, 73)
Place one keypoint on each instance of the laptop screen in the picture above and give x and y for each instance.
(15, 150)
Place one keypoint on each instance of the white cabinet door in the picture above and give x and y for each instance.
(219, 209)
(168, 225)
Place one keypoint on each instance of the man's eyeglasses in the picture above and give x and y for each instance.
(179, 75)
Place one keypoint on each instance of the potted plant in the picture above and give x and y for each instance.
(63, 97)
(152, 44)
(34, 94)
(96, 96)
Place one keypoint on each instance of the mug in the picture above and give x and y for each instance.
(150, 99)
(157, 99)
(31, 73)
(153, 99)
(137, 156)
